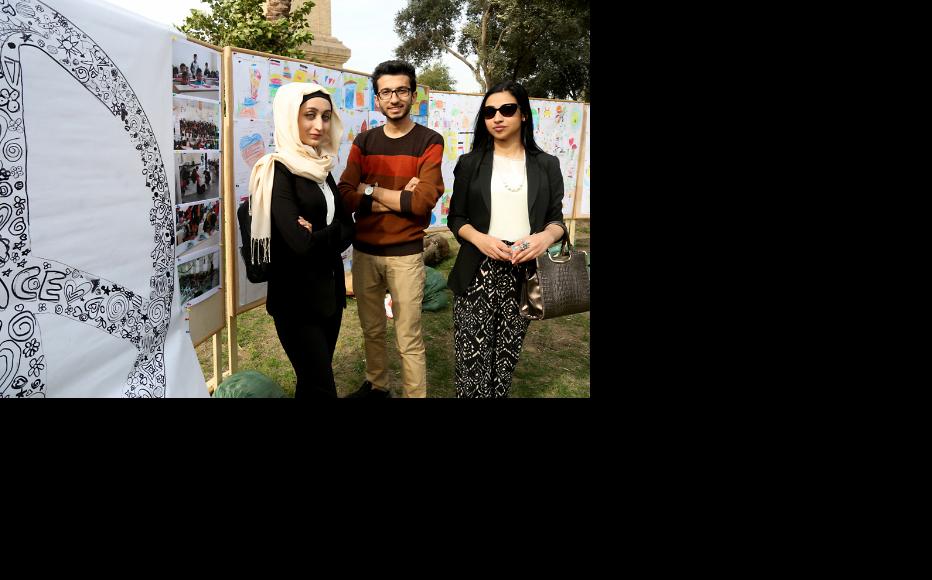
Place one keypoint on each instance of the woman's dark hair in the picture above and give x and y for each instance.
(482, 141)
(394, 67)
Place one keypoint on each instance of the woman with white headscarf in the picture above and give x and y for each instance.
(300, 229)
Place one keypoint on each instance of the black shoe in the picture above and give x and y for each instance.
(367, 392)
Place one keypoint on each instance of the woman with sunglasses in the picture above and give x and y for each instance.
(506, 209)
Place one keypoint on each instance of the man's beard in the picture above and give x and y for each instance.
(402, 113)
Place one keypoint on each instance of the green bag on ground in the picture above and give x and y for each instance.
(249, 385)
(435, 290)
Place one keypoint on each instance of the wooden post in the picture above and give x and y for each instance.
(229, 212)
(218, 357)
(577, 195)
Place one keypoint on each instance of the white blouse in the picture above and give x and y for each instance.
(509, 220)
(328, 195)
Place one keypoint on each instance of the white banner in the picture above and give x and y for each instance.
(89, 300)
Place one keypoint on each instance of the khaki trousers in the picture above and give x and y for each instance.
(403, 277)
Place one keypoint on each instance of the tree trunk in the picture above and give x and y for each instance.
(276, 9)
(483, 56)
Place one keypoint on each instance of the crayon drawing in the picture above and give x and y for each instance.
(558, 131)
(251, 87)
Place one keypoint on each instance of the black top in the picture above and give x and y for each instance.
(471, 203)
(306, 275)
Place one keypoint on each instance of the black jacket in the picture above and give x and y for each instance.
(306, 275)
(471, 203)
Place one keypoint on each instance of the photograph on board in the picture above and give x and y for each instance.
(197, 176)
(195, 70)
(199, 277)
(196, 123)
(197, 227)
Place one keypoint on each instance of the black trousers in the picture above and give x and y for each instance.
(310, 346)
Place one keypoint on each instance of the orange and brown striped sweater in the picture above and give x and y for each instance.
(376, 158)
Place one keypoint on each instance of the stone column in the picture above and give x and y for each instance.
(325, 49)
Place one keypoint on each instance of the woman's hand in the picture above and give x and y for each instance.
(492, 247)
(530, 247)
(305, 224)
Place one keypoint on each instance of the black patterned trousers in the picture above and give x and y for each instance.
(488, 331)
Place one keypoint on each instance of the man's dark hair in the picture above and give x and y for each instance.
(394, 67)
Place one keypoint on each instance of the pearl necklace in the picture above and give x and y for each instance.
(501, 175)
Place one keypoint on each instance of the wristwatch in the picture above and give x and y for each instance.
(369, 189)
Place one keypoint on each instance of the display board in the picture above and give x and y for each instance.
(558, 131)
(197, 166)
(256, 78)
(453, 115)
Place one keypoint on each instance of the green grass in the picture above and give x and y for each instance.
(554, 360)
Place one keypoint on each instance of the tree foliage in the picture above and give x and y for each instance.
(437, 76)
(242, 23)
(543, 44)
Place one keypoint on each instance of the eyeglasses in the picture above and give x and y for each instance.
(507, 110)
(402, 93)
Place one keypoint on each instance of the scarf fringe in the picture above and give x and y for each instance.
(261, 251)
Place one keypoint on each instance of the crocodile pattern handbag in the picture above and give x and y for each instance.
(555, 285)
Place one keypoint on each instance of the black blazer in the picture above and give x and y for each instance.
(306, 275)
(471, 203)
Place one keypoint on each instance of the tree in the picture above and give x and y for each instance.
(241, 23)
(544, 44)
(437, 76)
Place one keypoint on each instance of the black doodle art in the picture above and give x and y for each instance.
(33, 285)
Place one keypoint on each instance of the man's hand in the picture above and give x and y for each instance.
(411, 184)
(379, 207)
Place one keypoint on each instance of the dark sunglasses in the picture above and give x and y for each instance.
(507, 110)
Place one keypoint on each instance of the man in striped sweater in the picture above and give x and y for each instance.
(392, 182)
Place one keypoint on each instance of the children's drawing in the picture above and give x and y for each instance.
(558, 131)
(331, 80)
(251, 87)
(251, 147)
(376, 119)
(301, 74)
(354, 123)
(453, 116)
(421, 104)
(357, 92)
(275, 77)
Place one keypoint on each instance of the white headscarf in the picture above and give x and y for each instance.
(300, 159)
